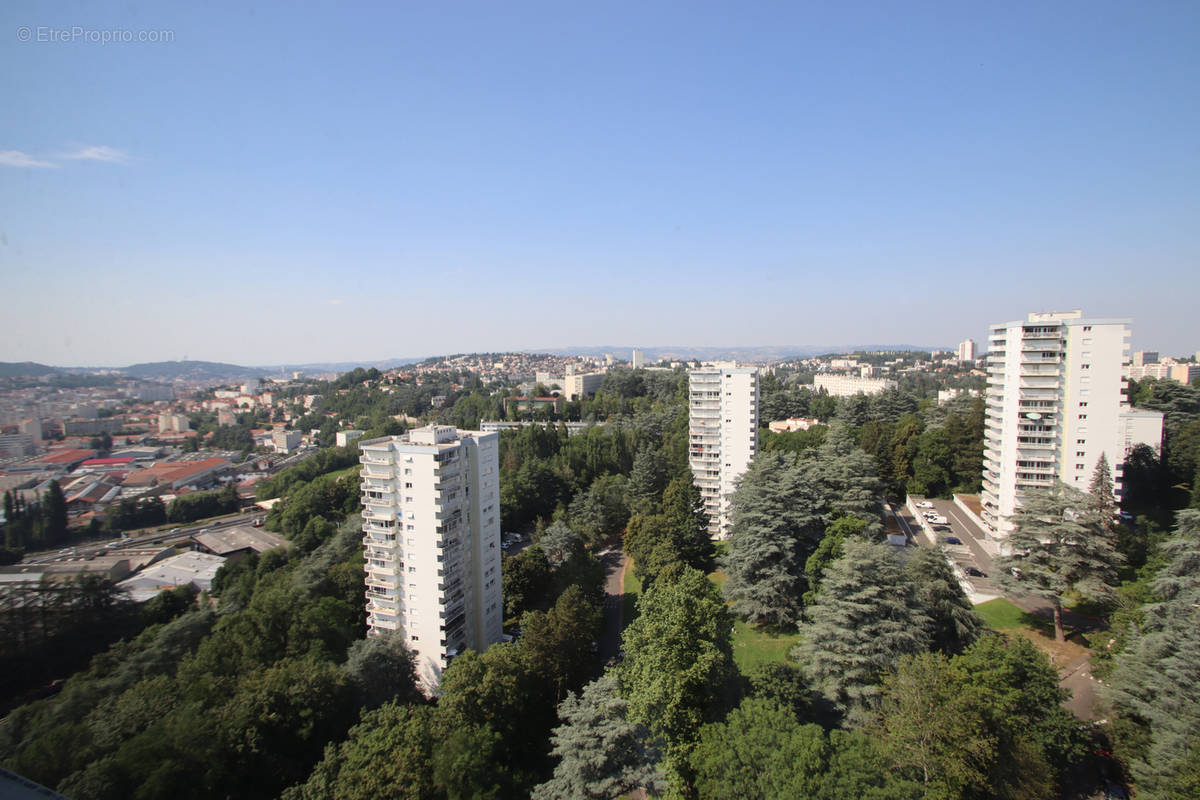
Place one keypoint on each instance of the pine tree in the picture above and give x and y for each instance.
(1059, 546)
(683, 508)
(866, 617)
(646, 480)
(1156, 684)
(601, 754)
(953, 624)
(776, 526)
(1101, 490)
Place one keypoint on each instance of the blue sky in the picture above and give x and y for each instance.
(361, 181)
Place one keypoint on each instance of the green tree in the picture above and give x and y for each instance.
(776, 525)
(601, 753)
(526, 579)
(953, 624)
(388, 754)
(1101, 490)
(381, 671)
(1155, 687)
(647, 480)
(760, 752)
(866, 617)
(1059, 546)
(679, 664)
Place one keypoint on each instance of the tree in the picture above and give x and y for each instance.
(760, 751)
(679, 663)
(934, 727)
(1155, 687)
(381, 670)
(526, 579)
(647, 480)
(557, 645)
(865, 618)
(558, 542)
(601, 753)
(1059, 546)
(388, 754)
(947, 731)
(953, 624)
(687, 523)
(1101, 490)
(776, 525)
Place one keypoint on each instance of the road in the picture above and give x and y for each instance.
(614, 569)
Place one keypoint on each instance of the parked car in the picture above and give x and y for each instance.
(952, 540)
(937, 519)
(924, 504)
(975, 572)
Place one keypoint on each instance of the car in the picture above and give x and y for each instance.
(975, 572)
(952, 540)
(938, 519)
(924, 504)
(942, 528)
(257, 523)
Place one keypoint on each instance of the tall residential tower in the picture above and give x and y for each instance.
(723, 434)
(431, 527)
(1055, 404)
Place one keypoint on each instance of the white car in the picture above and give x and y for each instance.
(938, 520)
(924, 504)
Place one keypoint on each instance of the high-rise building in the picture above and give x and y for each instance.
(966, 351)
(639, 358)
(1055, 403)
(723, 434)
(431, 528)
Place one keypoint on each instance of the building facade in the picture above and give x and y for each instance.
(850, 385)
(1055, 404)
(431, 529)
(966, 351)
(722, 434)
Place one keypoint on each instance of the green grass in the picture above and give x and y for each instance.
(1001, 615)
(754, 645)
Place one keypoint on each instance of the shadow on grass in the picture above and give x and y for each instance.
(1002, 615)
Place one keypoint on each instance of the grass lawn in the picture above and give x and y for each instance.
(754, 645)
(1001, 615)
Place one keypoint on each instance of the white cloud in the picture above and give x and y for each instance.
(98, 153)
(15, 158)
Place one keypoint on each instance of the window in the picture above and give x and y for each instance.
(412, 569)
(1085, 366)
(1083, 416)
(1080, 466)
(1081, 441)
(1083, 404)
(408, 471)
(407, 485)
(1087, 328)
(1081, 454)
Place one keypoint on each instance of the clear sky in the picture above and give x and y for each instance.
(300, 182)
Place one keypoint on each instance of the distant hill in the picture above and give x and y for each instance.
(762, 353)
(9, 369)
(190, 371)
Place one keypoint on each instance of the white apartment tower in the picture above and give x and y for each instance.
(723, 434)
(1055, 403)
(431, 528)
(639, 358)
(966, 351)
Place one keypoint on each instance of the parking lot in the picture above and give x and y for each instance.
(971, 552)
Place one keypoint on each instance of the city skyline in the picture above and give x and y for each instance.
(250, 187)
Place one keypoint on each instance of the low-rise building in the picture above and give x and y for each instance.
(344, 438)
(286, 441)
(850, 385)
(792, 424)
(186, 569)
